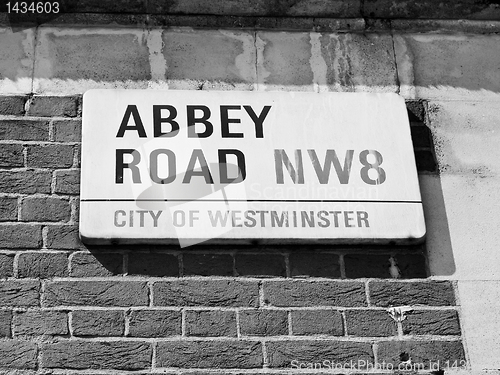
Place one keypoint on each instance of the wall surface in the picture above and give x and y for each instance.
(68, 308)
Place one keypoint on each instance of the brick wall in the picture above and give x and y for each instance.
(64, 306)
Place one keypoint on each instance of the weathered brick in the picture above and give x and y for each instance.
(42, 265)
(6, 265)
(207, 264)
(96, 264)
(216, 293)
(435, 322)
(76, 354)
(18, 293)
(12, 105)
(67, 182)
(40, 323)
(314, 293)
(53, 106)
(317, 322)
(67, 130)
(98, 323)
(5, 322)
(372, 323)
(154, 323)
(50, 156)
(8, 209)
(211, 323)
(263, 322)
(71, 63)
(11, 156)
(24, 130)
(63, 237)
(25, 182)
(45, 209)
(18, 354)
(421, 352)
(209, 354)
(312, 264)
(95, 293)
(153, 264)
(260, 265)
(282, 353)
(431, 293)
(20, 236)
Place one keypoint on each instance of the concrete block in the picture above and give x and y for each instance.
(466, 136)
(71, 61)
(209, 59)
(326, 62)
(480, 323)
(439, 66)
(16, 60)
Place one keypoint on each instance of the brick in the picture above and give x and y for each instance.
(209, 354)
(53, 106)
(207, 264)
(40, 323)
(20, 236)
(211, 323)
(371, 323)
(363, 265)
(68, 130)
(25, 182)
(98, 323)
(12, 105)
(95, 293)
(67, 182)
(436, 322)
(446, 67)
(260, 265)
(63, 237)
(217, 293)
(314, 293)
(18, 293)
(317, 322)
(116, 355)
(50, 156)
(17, 56)
(411, 266)
(6, 265)
(42, 265)
(94, 6)
(282, 353)
(154, 323)
(24, 130)
(11, 156)
(263, 322)
(231, 55)
(8, 209)
(5, 322)
(91, 58)
(45, 209)
(430, 293)
(421, 352)
(18, 355)
(153, 264)
(313, 264)
(96, 264)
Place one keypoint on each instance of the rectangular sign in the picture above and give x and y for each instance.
(192, 166)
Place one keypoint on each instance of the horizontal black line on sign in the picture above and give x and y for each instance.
(247, 200)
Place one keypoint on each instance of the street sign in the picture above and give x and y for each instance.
(193, 166)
